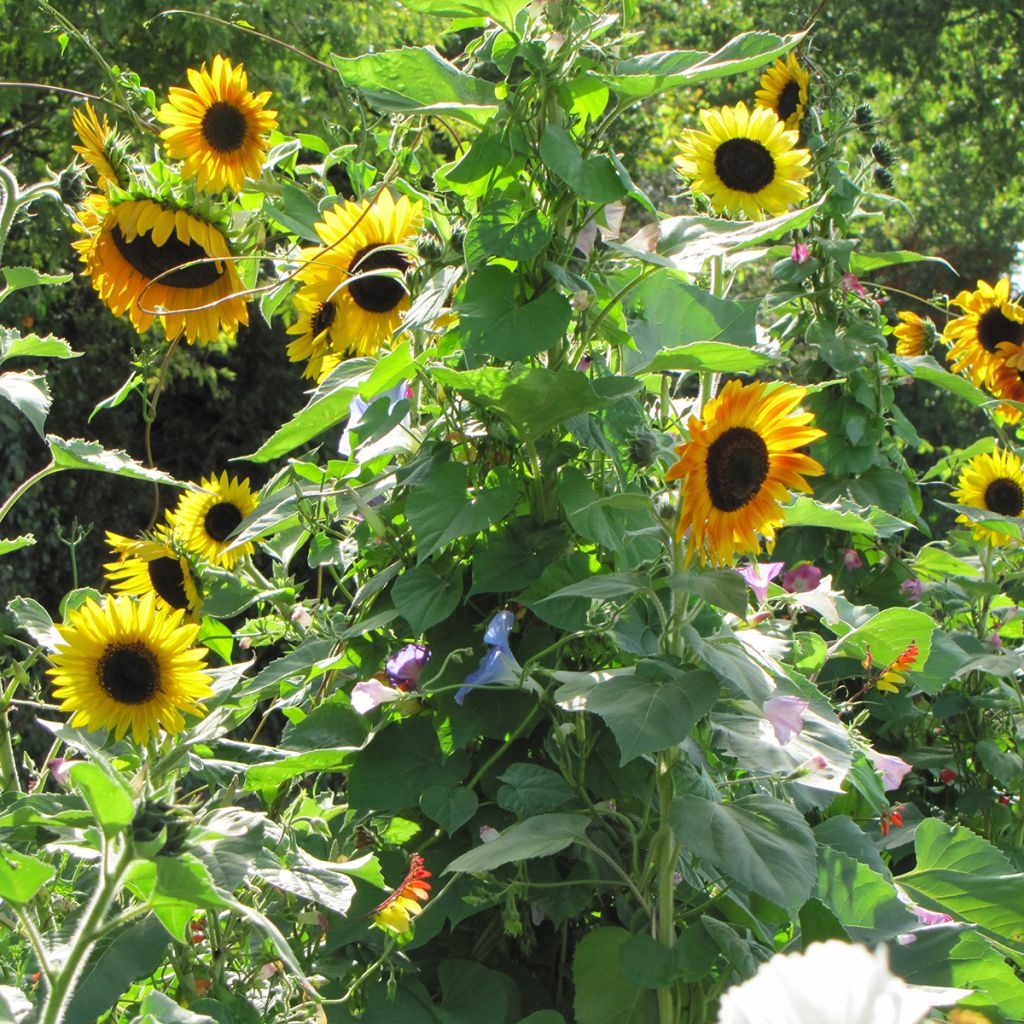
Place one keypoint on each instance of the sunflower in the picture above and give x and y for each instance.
(784, 91)
(991, 320)
(220, 129)
(153, 567)
(1007, 382)
(993, 481)
(203, 521)
(740, 464)
(397, 911)
(913, 335)
(745, 161)
(129, 664)
(346, 308)
(100, 145)
(135, 252)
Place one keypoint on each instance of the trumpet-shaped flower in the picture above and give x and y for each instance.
(498, 665)
(786, 715)
(831, 983)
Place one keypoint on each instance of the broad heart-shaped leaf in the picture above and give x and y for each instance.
(604, 995)
(327, 406)
(450, 808)
(533, 401)
(9, 544)
(417, 79)
(441, 508)
(77, 453)
(494, 322)
(157, 1008)
(424, 598)
(927, 369)
(961, 959)
(888, 634)
(717, 356)
(119, 959)
(502, 11)
(21, 876)
(959, 873)
(864, 903)
(541, 836)
(14, 345)
(595, 179)
(687, 243)
(670, 314)
(651, 73)
(32, 617)
(29, 393)
(506, 230)
(762, 843)
(649, 707)
(864, 263)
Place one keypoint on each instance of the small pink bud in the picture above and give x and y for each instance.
(852, 559)
(800, 253)
(487, 834)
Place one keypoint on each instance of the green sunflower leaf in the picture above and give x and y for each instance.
(927, 369)
(501, 11)
(651, 73)
(77, 453)
(417, 79)
(9, 544)
(327, 407)
(595, 179)
(21, 876)
(29, 393)
(14, 346)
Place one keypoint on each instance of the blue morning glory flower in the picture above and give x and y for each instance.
(498, 665)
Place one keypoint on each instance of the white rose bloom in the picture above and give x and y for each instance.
(831, 983)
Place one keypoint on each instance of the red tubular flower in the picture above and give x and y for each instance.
(398, 910)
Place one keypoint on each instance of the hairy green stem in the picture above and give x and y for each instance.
(90, 927)
(20, 490)
(8, 768)
(666, 854)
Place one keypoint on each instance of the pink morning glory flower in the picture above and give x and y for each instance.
(801, 579)
(758, 575)
(893, 769)
(786, 715)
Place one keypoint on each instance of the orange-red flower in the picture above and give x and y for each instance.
(396, 913)
(895, 674)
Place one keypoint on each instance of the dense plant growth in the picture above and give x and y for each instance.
(590, 634)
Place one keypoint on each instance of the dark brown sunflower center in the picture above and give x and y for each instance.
(1005, 497)
(994, 328)
(221, 520)
(377, 294)
(168, 579)
(152, 260)
(744, 165)
(324, 317)
(789, 100)
(737, 464)
(224, 127)
(129, 673)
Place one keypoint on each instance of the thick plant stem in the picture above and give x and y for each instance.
(19, 491)
(666, 861)
(8, 768)
(89, 929)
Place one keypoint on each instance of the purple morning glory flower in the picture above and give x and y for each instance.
(786, 715)
(758, 575)
(498, 665)
(405, 665)
(892, 769)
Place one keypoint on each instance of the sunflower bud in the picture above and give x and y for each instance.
(642, 449)
(429, 247)
(883, 154)
(159, 828)
(864, 118)
(883, 179)
(71, 185)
